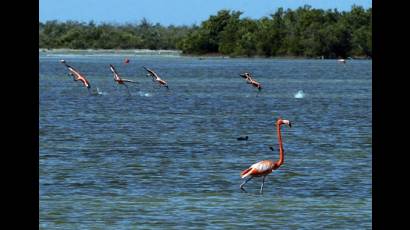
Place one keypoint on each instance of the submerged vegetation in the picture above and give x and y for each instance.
(304, 32)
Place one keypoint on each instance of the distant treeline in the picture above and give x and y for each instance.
(80, 35)
(302, 32)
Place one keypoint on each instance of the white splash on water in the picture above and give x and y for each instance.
(99, 92)
(299, 94)
(142, 94)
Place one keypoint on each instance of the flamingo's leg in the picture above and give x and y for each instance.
(257, 94)
(263, 182)
(246, 181)
(128, 91)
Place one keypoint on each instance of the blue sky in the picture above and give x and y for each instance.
(175, 12)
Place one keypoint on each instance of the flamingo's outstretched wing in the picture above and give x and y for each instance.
(151, 72)
(148, 70)
(71, 70)
(127, 80)
(114, 71)
(64, 63)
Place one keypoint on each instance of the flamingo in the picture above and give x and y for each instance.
(120, 80)
(156, 78)
(249, 79)
(265, 167)
(77, 76)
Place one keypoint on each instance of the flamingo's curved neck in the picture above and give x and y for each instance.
(281, 151)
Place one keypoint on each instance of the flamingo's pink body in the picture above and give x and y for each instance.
(84, 81)
(265, 167)
(261, 168)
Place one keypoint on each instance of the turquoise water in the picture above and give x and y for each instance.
(170, 159)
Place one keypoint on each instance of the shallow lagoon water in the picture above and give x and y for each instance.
(170, 159)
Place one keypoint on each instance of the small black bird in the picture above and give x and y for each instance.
(242, 138)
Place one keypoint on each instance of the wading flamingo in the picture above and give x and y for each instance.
(249, 79)
(120, 80)
(77, 76)
(156, 78)
(265, 167)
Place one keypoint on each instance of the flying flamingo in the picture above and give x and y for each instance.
(120, 80)
(156, 78)
(77, 76)
(249, 79)
(265, 167)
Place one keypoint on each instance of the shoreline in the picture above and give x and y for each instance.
(108, 51)
(175, 53)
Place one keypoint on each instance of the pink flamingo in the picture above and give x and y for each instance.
(265, 167)
(156, 78)
(77, 76)
(120, 80)
(249, 79)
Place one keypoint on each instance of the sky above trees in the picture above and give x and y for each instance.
(175, 12)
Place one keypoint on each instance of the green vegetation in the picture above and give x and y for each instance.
(302, 32)
(76, 35)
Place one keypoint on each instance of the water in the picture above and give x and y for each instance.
(170, 159)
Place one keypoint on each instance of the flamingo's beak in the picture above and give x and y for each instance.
(290, 125)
